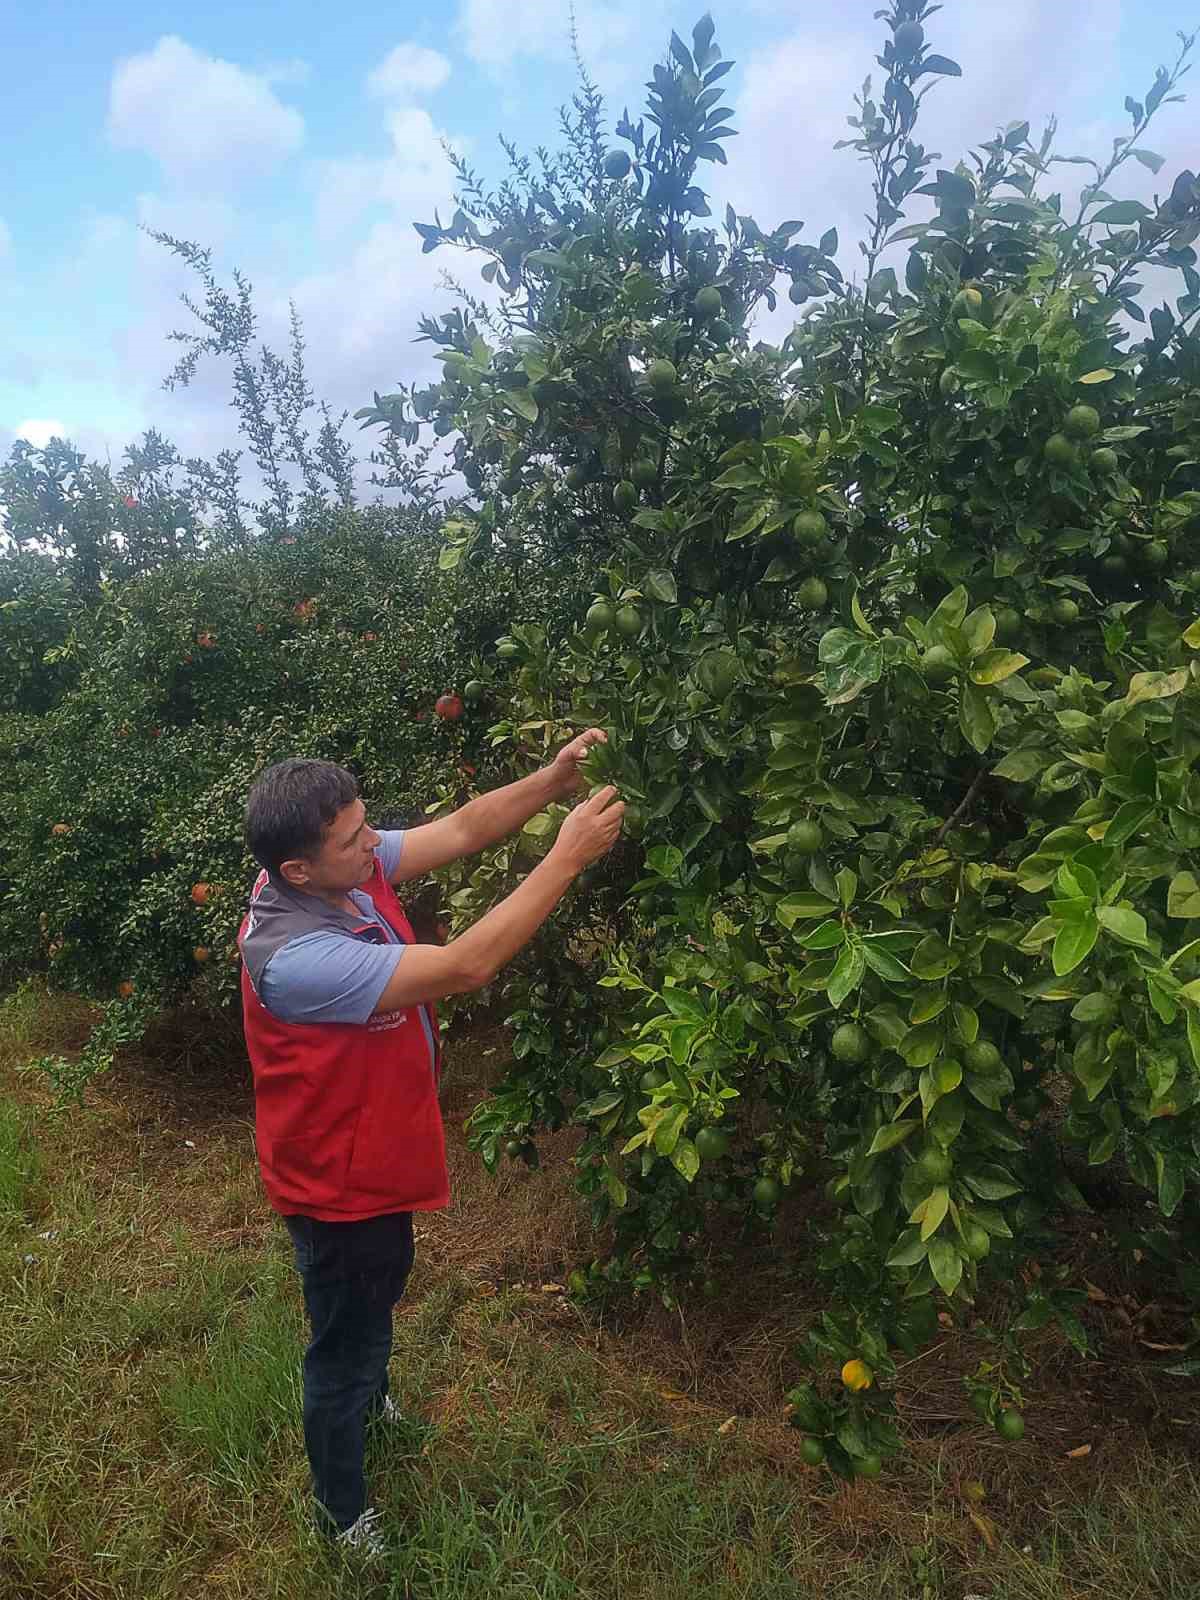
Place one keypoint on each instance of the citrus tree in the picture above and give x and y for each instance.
(893, 632)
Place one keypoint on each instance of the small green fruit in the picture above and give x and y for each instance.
(982, 1056)
(767, 1194)
(508, 650)
(1008, 624)
(976, 1241)
(628, 621)
(850, 1044)
(868, 1466)
(617, 165)
(809, 527)
(812, 1452)
(644, 473)
(1081, 422)
(1064, 612)
(707, 303)
(812, 595)
(473, 692)
(711, 1144)
(720, 330)
(1155, 555)
(934, 1165)
(805, 838)
(949, 382)
(1106, 461)
(600, 616)
(908, 39)
(967, 303)
(1060, 451)
(662, 376)
(625, 497)
(576, 478)
(1010, 1425)
(651, 1080)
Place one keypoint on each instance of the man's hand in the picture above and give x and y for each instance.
(564, 768)
(590, 831)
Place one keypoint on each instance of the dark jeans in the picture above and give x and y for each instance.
(353, 1274)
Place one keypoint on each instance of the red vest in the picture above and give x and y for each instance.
(347, 1120)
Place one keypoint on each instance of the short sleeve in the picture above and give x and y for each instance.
(328, 977)
(387, 851)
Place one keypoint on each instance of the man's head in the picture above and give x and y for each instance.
(307, 825)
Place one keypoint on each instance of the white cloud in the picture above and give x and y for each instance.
(201, 118)
(38, 431)
(496, 32)
(409, 69)
(295, 71)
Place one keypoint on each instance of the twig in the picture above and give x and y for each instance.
(962, 806)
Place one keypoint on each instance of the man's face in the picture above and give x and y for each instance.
(345, 860)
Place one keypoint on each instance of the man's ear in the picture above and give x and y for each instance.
(295, 873)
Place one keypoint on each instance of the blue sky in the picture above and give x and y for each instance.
(303, 150)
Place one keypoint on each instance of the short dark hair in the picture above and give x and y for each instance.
(290, 806)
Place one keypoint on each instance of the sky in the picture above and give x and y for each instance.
(301, 143)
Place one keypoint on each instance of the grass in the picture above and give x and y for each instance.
(151, 1447)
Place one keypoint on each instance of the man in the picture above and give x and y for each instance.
(343, 1041)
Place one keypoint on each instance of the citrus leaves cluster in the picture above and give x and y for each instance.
(892, 628)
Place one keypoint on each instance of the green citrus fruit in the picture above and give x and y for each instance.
(1081, 422)
(1010, 1425)
(652, 1079)
(908, 39)
(625, 496)
(982, 1056)
(1105, 460)
(1008, 624)
(720, 330)
(617, 164)
(813, 595)
(850, 1044)
(508, 650)
(717, 673)
(600, 616)
(662, 376)
(577, 478)
(805, 837)
(1155, 555)
(939, 664)
(577, 1282)
(473, 692)
(967, 303)
(981, 1403)
(934, 1165)
(707, 303)
(513, 1148)
(868, 1466)
(1064, 612)
(628, 621)
(809, 527)
(1060, 451)
(949, 383)
(767, 1194)
(1027, 1106)
(812, 1451)
(1114, 565)
(711, 1144)
(977, 1241)
(644, 473)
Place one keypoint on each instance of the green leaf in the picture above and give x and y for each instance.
(1074, 944)
(975, 718)
(660, 586)
(1122, 212)
(945, 1264)
(1021, 765)
(1170, 1183)
(1101, 375)
(933, 958)
(793, 907)
(685, 1159)
(909, 1250)
(992, 1183)
(846, 975)
(883, 963)
(1126, 822)
(522, 402)
(1123, 923)
(934, 1210)
(993, 666)
(1183, 896)
(895, 1133)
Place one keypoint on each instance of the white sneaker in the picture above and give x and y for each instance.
(365, 1535)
